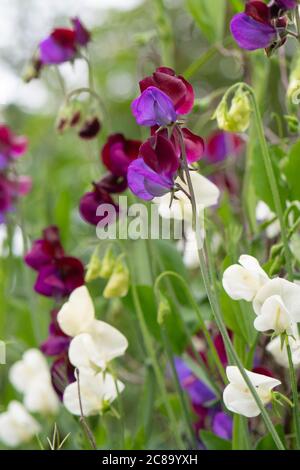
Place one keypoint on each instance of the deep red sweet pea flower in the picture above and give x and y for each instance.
(57, 341)
(90, 202)
(118, 152)
(11, 146)
(45, 250)
(62, 374)
(176, 87)
(159, 154)
(259, 11)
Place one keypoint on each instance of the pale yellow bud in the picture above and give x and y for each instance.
(118, 283)
(108, 263)
(93, 268)
(237, 117)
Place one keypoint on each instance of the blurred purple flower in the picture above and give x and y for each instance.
(198, 391)
(221, 145)
(153, 107)
(82, 35)
(153, 173)
(10, 189)
(90, 128)
(62, 374)
(118, 152)
(45, 250)
(57, 341)
(11, 146)
(222, 425)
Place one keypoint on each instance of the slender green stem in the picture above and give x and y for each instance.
(165, 32)
(196, 308)
(156, 367)
(294, 392)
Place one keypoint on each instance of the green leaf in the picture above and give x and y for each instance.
(292, 170)
(209, 15)
(267, 443)
(213, 442)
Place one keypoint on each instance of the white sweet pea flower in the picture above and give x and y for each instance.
(279, 352)
(289, 294)
(77, 315)
(237, 396)
(206, 195)
(264, 214)
(189, 247)
(90, 352)
(274, 316)
(243, 281)
(23, 372)
(17, 426)
(96, 393)
(40, 397)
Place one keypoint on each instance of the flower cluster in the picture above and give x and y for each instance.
(262, 26)
(93, 346)
(30, 376)
(58, 274)
(11, 186)
(164, 98)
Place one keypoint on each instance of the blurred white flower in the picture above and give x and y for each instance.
(17, 426)
(97, 392)
(264, 214)
(95, 342)
(189, 248)
(31, 377)
(243, 281)
(237, 396)
(279, 352)
(206, 195)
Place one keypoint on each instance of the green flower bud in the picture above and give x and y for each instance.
(293, 91)
(93, 268)
(108, 264)
(118, 283)
(164, 310)
(237, 117)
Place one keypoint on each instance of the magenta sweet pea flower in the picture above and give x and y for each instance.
(153, 173)
(57, 341)
(63, 44)
(221, 145)
(153, 107)
(45, 250)
(11, 146)
(118, 153)
(175, 87)
(10, 189)
(197, 390)
(90, 128)
(90, 202)
(194, 144)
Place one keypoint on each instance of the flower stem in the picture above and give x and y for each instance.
(83, 421)
(294, 392)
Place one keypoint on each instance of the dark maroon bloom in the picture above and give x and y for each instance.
(118, 153)
(194, 144)
(90, 128)
(221, 145)
(63, 44)
(11, 146)
(263, 371)
(153, 174)
(176, 87)
(45, 250)
(92, 201)
(60, 278)
(62, 374)
(57, 341)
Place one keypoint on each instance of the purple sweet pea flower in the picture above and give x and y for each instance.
(222, 425)
(221, 145)
(82, 35)
(152, 175)
(10, 190)
(283, 4)
(198, 391)
(57, 341)
(62, 374)
(45, 250)
(118, 152)
(153, 107)
(251, 34)
(11, 146)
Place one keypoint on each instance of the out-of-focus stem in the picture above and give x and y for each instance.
(165, 33)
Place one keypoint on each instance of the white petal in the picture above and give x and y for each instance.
(288, 291)
(238, 402)
(280, 354)
(83, 354)
(77, 314)
(273, 316)
(206, 193)
(251, 264)
(17, 425)
(24, 371)
(239, 283)
(234, 376)
(41, 397)
(110, 342)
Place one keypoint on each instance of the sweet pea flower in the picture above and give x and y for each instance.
(118, 152)
(12, 146)
(237, 396)
(96, 394)
(17, 426)
(153, 108)
(222, 425)
(243, 281)
(31, 377)
(95, 342)
(260, 26)
(206, 194)
(220, 145)
(279, 352)
(10, 189)
(194, 144)
(198, 391)
(153, 173)
(175, 87)
(62, 374)
(63, 44)
(57, 341)
(264, 214)
(277, 303)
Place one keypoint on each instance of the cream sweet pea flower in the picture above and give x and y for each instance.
(96, 393)
(17, 426)
(206, 194)
(274, 316)
(31, 377)
(264, 214)
(237, 396)
(243, 281)
(95, 342)
(288, 304)
(279, 352)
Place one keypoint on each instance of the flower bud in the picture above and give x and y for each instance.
(93, 268)
(237, 117)
(164, 310)
(118, 283)
(293, 91)
(108, 264)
